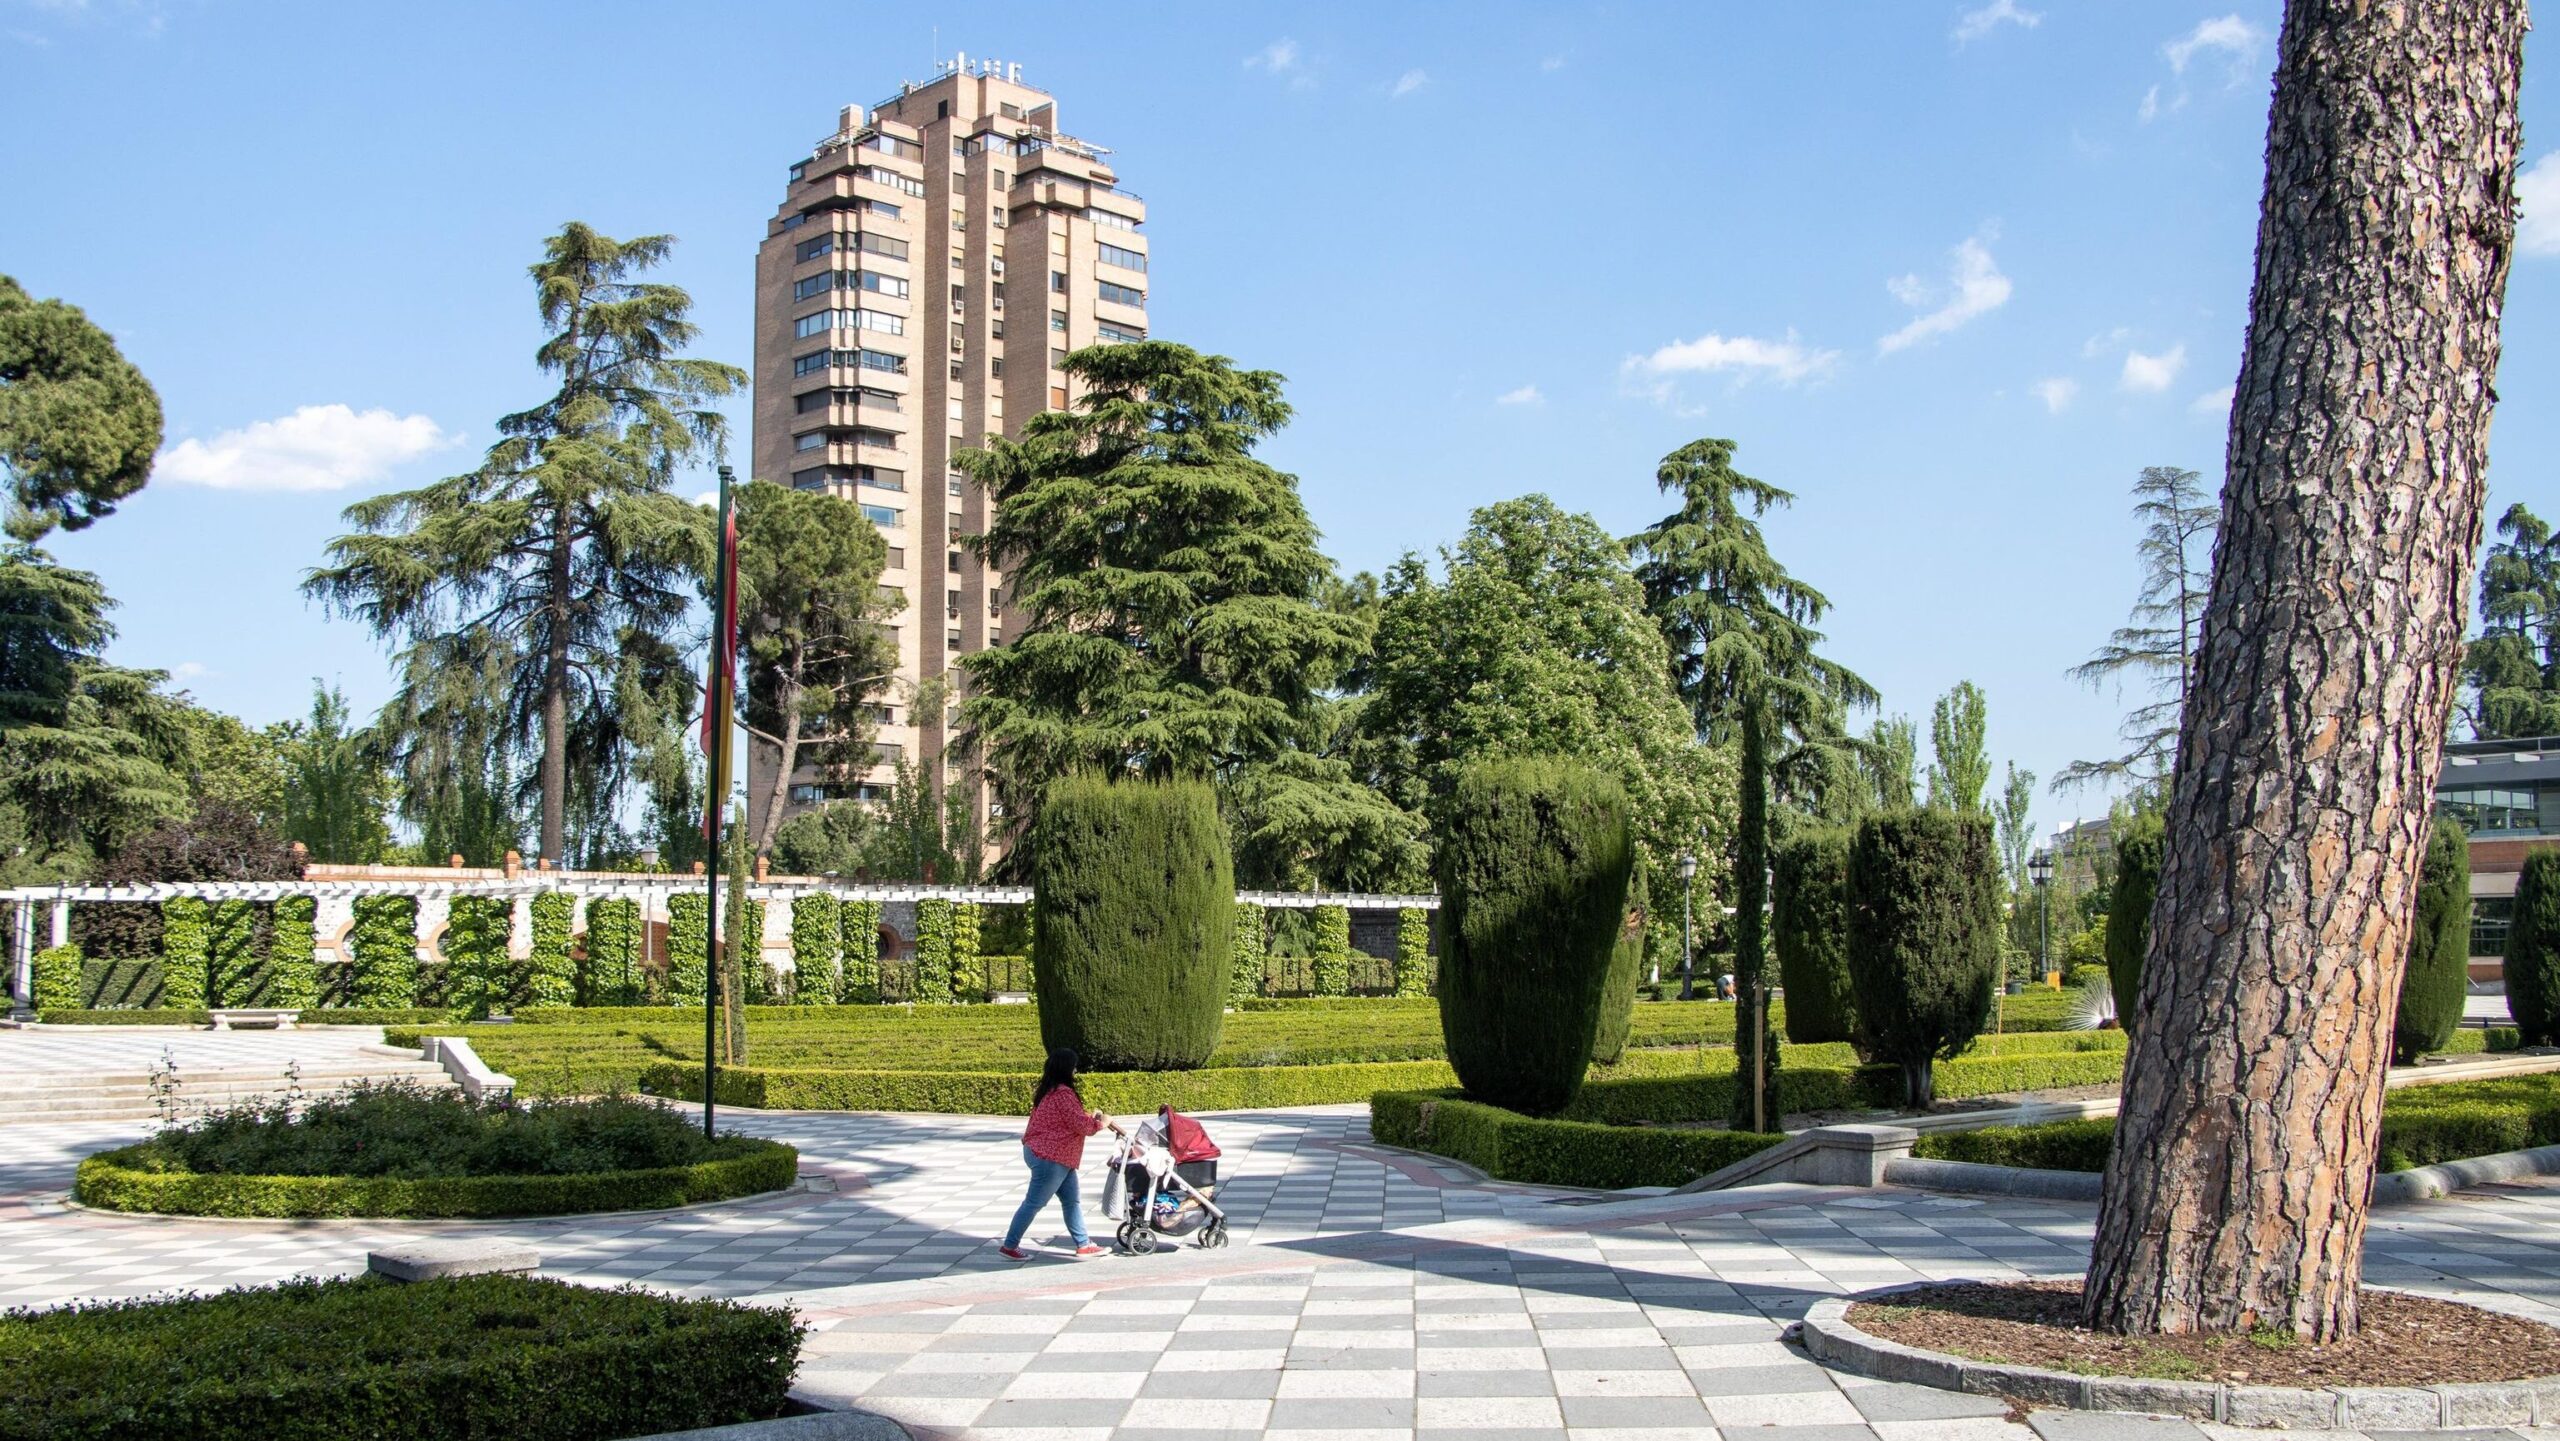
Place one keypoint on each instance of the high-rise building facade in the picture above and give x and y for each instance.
(931, 265)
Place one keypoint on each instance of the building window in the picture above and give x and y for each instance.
(959, 338)
(951, 561)
(1105, 217)
(959, 484)
(892, 179)
(881, 207)
(1057, 397)
(897, 558)
(799, 172)
(955, 370)
(889, 285)
(2526, 808)
(995, 368)
(1058, 281)
(1057, 357)
(881, 514)
(1058, 321)
(886, 246)
(959, 298)
(1110, 254)
(1110, 334)
(883, 360)
(810, 440)
(812, 249)
(951, 604)
(885, 479)
(955, 640)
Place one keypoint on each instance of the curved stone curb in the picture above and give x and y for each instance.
(800, 1186)
(2390, 1188)
(1830, 1339)
(816, 1426)
(2428, 1182)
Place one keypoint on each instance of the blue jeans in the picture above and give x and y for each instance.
(1048, 1178)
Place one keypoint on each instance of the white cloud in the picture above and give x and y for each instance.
(190, 670)
(1787, 361)
(2057, 392)
(2149, 110)
(2153, 373)
(1974, 286)
(1525, 395)
(1407, 83)
(2538, 207)
(2214, 402)
(1551, 64)
(1978, 23)
(2231, 35)
(708, 500)
(318, 447)
(1278, 57)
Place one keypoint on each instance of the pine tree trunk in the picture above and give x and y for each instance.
(2298, 817)
(786, 753)
(555, 703)
(1754, 1049)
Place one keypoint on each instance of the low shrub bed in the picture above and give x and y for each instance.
(1001, 1093)
(397, 1151)
(2421, 1126)
(311, 1016)
(468, 1357)
(1553, 1152)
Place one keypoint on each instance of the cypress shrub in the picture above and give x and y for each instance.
(231, 966)
(860, 985)
(56, 984)
(1534, 861)
(1809, 925)
(384, 947)
(186, 942)
(1413, 952)
(968, 969)
(2533, 950)
(2129, 912)
(933, 953)
(817, 949)
(293, 955)
(2438, 977)
(551, 973)
(609, 974)
(1244, 958)
(1626, 968)
(1333, 951)
(1924, 937)
(1132, 921)
(480, 976)
(688, 947)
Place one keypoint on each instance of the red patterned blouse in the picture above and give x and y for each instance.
(1058, 1127)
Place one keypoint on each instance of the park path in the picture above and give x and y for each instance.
(1370, 1294)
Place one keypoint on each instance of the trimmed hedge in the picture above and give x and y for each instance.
(119, 983)
(475, 953)
(1924, 937)
(384, 945)
(321, 1016)
(1534, 860)
(934, 974)
(2532, 965)
(186, 942)
(860, 985)
(1333, 950)
(56, 984)
(2437, 980)
(1626, 968)
(293, 955)
(550, 973)
(444, 1360)
(1008, 1093)
(1245, 956)
(2137, 884)
(817, 949)
(231, 977)
(2053, 1146)
(1413, 953)
(1509, 1146)
(609, 971)
(1809, 926)
(108, 1183)
(688, 947)
(1133, 921)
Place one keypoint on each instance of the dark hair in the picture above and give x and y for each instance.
(1061, 1071)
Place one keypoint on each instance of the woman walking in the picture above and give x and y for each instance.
(1053, 1147)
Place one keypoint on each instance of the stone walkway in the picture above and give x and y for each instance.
(1368, 1296)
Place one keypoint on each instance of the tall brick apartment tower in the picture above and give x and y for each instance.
(932, 263)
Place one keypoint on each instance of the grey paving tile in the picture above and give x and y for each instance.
(1894, 1401)
(1334, 1413)
(1214, 1385)
(1634, 1411)
(2110, 1426)
(1523, 1382)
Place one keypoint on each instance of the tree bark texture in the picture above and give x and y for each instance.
(1754, 1054)
(2237, 1193)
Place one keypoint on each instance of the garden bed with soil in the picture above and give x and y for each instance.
(2403, 1340)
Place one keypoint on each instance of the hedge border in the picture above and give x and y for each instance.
(757, 1166)
(1543, 1151)
(1008, 1093)
(311, 1016)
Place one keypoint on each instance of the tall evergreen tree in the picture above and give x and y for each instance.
(336, 793)
(561, 568)
(1740, 630)
(78, 424)
(2015, 816)
(2156, 647)
(2513, 670)
(1890, 763)
(1959, 744)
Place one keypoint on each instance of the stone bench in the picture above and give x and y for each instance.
(237, 1019)
(427, 1260)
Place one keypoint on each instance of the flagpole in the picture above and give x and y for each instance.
(715, 722)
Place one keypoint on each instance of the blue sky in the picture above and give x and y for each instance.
(1951, 272)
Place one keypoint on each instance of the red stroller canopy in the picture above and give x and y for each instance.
(1186, 1139)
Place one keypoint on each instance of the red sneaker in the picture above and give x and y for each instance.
(1087, 1249)
(1013, 1253)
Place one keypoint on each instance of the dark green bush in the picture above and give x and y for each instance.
(1924, 937)
(1333, 951)
(1413, 952)
(466, 1357)
(186, 941)
(2053, 1146)
(817, 949)
(1626, 969)
(550, 972)
(1245, 956)
(57, 978)
(2129, 912)
(1534, 860)
(688, 946)
(2438, 979)
(609, 971)
(119, 983)
(384, 940)
(1541, 1151)
(1008, 1093)
(483, 977)
(2089, 976)
(1133, 921)
(1809, 916)
(2533, 950)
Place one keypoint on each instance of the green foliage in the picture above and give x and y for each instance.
(933, 953)
(817, 949)
(337, 796)
(1924, 937)
(469, 1356)
(1413, 952)
(2513, 670)
(1245, 955)
(1333, 951)
(2128, 931)
(231, 968)
(688, 947)
(2533, 950)
(518, 656)
(2088, 976)
(56, 985)
(480, 977)
(1618, 997)
(2014, 814)
(1959, 735)
(293, 955)
(1512, 1147)
(968, 972)
(384, 943)
(1534, 862)
(1008, 1093)
(550, 972)
(1133, 921)
(1167, 582)
(2052, 1146)
(186, 952)
(79, 426)
(1809, 918)
(2437, 981)
(609, 971)
(861, 985)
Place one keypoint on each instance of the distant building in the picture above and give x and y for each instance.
(932, 263)
(2506, 795)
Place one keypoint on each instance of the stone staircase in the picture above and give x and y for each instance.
(53, 1096)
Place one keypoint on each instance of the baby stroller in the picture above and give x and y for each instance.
(1169, 1169)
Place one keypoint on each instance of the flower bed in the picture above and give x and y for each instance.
(395, 1151)
(440, 1360)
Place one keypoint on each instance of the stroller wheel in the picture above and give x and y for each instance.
(1213, 1235)
(1142, 1239)
(1126, 1236)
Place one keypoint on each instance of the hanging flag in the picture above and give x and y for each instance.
(719, 690)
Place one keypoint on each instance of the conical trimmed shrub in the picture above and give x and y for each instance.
(1534, 861)
(1809, 928)
(1626, 971)
(2533, 951)
(1133, 921)
(1924, 937)
(2438, 977)
(2129, 913)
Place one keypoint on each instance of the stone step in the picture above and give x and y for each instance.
(119, 1103)
(99, 1082)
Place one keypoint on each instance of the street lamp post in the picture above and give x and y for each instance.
(2040, 870)
(1688, 874)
